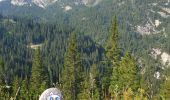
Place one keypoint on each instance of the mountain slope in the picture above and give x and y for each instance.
(144, 25)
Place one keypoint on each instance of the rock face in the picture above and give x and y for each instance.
(91, 2)
(40, 3)
(45, 3)
(19, 2)
(86, 2)
(164, 57)
(51, 93)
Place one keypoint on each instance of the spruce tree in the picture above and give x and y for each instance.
(112, 54)
(112, 47)
(16, 87)
(39, 81)
(85, 94)
(94, 75)
(2, 79)
(71, 77)
(127, 72)
(2, 70)
(89, 89)
(124, 76)
(79, 75)
(24, 91)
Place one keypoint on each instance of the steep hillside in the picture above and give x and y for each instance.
(143, 27)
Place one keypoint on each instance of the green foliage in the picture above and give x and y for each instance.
(85, 92)
(70, 75)
(124, 76)
(74, 71)
(94, 76)
(38, 77)
(128, 94)
(2, 79)
(141, 95)
(112, 44)
(16, 86)
(112, 54)
(24, 91)
(89, 88)
(2, 70)
(165, 89)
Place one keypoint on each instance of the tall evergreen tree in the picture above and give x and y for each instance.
(112, 54)
(2, 79)
(89, 89)
(24, 91)
(112, 43)
(85, 94)
(2, 70)
(5, 88)
(16, 87)
(124, 76)
(94, 73)
(39, 81)
(71, 77)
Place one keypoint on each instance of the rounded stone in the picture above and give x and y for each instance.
(51, 93)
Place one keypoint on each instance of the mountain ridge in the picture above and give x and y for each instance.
(45, 3)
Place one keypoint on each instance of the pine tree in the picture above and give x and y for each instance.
(39, 80)
(15, 87)
(124, 76)
(71, 77)
(112, 47)
(112, 54)
(24, 91)
(89, 89)
(84, 94)
(2, 79)
(127, 72)
(2, 70)
(94, 73)
(79, 75)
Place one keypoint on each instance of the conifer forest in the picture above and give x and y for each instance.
(89, 49)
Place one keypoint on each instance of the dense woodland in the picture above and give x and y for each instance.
(75, 63)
